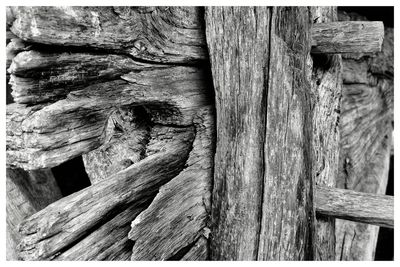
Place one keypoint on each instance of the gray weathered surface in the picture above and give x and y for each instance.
(347, 37)
(45, 137)
(326, 89)
(263, 169)
(366, 138)
(26, 194)
(161, 34)
(355, 206)
(52, 230)
(178, 215)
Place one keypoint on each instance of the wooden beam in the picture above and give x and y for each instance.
(347, 37)
(262, 208)
(355, 206)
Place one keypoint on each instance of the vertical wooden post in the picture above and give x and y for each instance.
(262, 195)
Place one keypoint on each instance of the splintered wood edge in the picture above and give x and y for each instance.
(347, 37)
(355, 206)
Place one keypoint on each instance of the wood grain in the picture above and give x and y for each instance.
(326, 91)
(161, 34)
(355, 206)
(26, 194)
(64, 223)
(347, 37)
(44, 136)
(263, 165)
(366, 138)
(179, 214)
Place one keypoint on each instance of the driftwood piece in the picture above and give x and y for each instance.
(162, 34)
(76, 125)
(263, 176)
(355, 206)
(347, 37)
(199, 251)
(52, 231)
(26, 194)
(326, 90)
(178, 216)
(366, 133)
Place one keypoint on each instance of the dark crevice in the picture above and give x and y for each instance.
(264, 103)
(71, 176)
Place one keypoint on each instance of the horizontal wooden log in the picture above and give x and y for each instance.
(39, 137)
(161, 34)
(347, 37)
(355, 206)
(179, 214)
(43, 77)
(65, 223)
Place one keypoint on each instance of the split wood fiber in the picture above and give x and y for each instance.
(263, 171)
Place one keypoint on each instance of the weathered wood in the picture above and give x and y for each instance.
(365, 129)
(75, 125)
(263, 172)
(42, 77)
(178, 216)
(347, 37)
(62, 224)
(128, 134)
(161, 34)
(199, 251)
(326, 90)
(26, 193)
(355, 206)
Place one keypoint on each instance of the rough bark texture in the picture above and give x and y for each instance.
(355, 206)
(326, 89)
(26, 194)
(366, 133)
(347, 37)
(263, 172)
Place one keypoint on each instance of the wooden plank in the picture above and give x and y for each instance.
(26, 194)
(44, 136)
(161, 34)
(238, 40)
(262, 195)
(347, 37)
(55, 229)
(355, 206)
(326, 89)
(287, 223)
(178, 215)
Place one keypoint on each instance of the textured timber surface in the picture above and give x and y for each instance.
(355, 206)
(162, 34)
(366, 126)
(263, 173)
(26, 194)
(347, 37)
(326, 89)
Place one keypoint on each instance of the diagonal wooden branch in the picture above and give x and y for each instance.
(65, 222)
